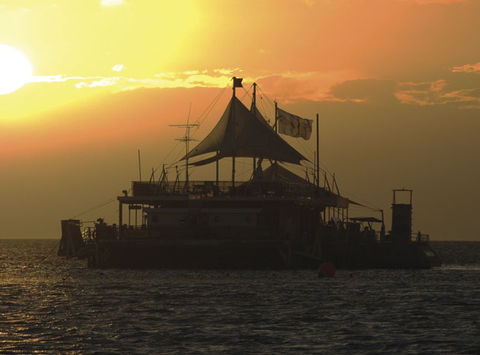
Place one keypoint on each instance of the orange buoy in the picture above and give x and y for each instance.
(326, 270)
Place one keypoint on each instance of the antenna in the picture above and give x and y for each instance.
(186, 138)
(152, 176)
(139, 167)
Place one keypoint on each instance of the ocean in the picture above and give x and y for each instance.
(56, 305)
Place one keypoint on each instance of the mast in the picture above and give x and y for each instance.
(216, 168)
(187, 141)
(235, 80)
(233, 171)
(275, 126)
(139, 167)
(276, 119)
(254, 98)
(318, 153)
(253, 109)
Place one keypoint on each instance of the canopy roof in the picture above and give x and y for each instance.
(241, 133)
(278, 173)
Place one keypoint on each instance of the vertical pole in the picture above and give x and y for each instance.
(276, 117)
(216, 169)
(232, 112)
(120, 218)
(276, 128)
(187, 149)
(139, 167)
(254, 109)
(318, 153)
(382, 230)
(233, 172)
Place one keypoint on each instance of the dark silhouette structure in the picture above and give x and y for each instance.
(275, 219)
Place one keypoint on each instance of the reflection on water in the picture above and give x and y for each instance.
(54, 304)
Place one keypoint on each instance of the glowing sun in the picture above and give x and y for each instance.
(15, 69)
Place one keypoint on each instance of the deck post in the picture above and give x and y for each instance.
(317, 157)
(216, 168)
(233, 172)
(120, 218)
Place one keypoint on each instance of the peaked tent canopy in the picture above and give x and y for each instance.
(240, 133)
(277, 173)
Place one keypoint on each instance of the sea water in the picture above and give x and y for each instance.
(57, 305)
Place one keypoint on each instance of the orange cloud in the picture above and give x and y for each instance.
(436, 92)
(445, 2)
(467, 68)
(297, 86)
(285, 86)
(186, 79)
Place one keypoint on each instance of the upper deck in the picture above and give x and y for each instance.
(151, 192)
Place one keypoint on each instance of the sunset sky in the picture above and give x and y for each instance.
(396, 84)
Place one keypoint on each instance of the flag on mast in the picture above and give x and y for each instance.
(237, 82)
(292, 125)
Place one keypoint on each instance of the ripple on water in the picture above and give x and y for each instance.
(58, 305)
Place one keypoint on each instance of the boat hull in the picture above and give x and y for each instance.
(190, 254)
(255, 255)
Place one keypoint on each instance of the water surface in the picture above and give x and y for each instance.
(51, 304)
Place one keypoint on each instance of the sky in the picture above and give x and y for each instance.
(396, 85)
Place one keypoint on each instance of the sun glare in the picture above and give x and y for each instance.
(15, 69)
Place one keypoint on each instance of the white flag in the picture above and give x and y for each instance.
(292, 125)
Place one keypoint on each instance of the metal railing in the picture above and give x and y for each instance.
(225, 188)
(421, 238)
